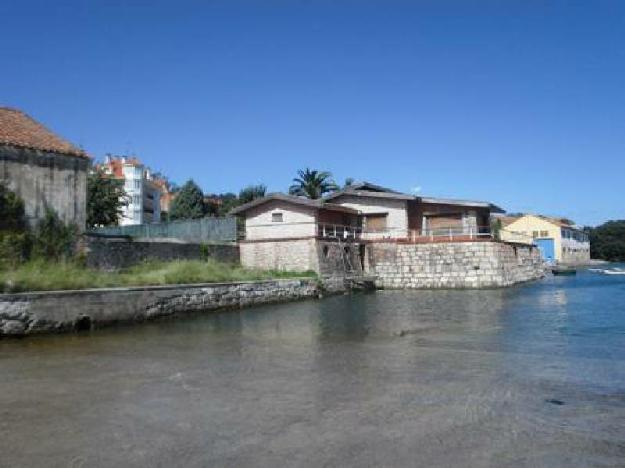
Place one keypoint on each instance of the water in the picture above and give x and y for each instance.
(526, 376)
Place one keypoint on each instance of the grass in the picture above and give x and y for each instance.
(47, 276)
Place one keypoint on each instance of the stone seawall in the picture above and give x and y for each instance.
(452, 265)
(114, 253)
(57, 311)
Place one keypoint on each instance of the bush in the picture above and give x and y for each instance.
(53, 239)
(14, 248)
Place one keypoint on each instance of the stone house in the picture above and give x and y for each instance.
(285, 232)
(390, 214)
(46, 171)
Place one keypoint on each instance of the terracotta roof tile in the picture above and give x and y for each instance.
(19, 129)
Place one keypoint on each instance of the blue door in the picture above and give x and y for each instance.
(547, 250)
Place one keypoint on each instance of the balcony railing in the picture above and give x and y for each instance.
(338, 231)
(439, 234)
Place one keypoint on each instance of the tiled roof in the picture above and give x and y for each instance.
(18, 129)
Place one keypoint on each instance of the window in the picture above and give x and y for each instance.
(535, 234)
(375, 222)
(277, 217)
(544, 233)
(137, 184)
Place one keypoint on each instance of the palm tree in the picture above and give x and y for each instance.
(312, 184)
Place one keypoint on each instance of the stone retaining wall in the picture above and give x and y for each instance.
(321, 256)
(452, 265)
(57, 311)
(114, 253)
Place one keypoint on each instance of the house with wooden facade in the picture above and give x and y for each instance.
(388, 214)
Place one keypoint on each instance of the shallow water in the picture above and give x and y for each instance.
(526, 376)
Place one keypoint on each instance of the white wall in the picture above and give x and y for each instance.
(396, 220)
(298, 221)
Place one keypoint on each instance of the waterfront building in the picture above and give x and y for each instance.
(558, 239)
(142, 190)
(396, 240)
(43, 169)
(285, 232)
(387, 213)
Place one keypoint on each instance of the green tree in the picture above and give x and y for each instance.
(607, 242)
(105, 199)
(189, 202)
(349, 182)
(252, 192)
(15, 239)
(312, 184)
(12, 216)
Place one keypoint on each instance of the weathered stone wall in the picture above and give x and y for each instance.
(114, 253)
(48, 312)
(452, 265)
(290, 255)
(323, 257)
(334, 259)
(47, 180)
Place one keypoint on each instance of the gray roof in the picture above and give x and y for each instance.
(451, 201)
(370, 193)
(316, 204)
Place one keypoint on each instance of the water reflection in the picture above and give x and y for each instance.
(394, 378)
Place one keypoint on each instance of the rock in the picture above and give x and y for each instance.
(12, 327)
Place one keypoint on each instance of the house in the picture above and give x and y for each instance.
(390, 214)
(142, 190)
(558, 239)
(43, 169)
(286, 232)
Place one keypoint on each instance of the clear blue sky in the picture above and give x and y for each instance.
(518, 102)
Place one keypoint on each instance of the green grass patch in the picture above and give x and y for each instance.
(48, 276)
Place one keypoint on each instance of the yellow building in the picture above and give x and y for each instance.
(558, 239)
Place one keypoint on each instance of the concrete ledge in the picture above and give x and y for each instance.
(60, 311)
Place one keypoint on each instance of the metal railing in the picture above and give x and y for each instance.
(338, 231)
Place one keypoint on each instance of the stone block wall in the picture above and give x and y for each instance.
(323, 257)
(114, 253)
(452, 265)
(289, 255)
(47, 180)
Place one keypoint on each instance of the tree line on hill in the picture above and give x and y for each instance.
(607, 241)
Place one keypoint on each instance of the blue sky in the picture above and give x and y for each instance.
(518, 102)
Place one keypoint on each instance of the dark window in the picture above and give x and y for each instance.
(276, 217)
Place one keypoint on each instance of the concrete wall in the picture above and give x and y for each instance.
(49, 312)
(116, 253)
(47, 180)
(452, 265)
(298, 221)
(397, 219)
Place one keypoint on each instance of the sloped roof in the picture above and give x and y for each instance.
(19, 129)
(558, 221)
(317, 204)
(369, 193)
(451, 201)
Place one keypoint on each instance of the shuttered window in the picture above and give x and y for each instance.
(375, 222)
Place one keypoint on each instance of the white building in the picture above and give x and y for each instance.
(143, 193)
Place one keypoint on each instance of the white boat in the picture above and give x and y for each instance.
(614, 272)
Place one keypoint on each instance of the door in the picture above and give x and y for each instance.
(547, 250)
